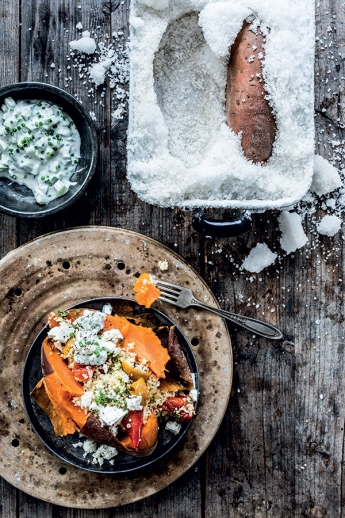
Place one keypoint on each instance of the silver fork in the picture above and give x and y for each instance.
(184, 298)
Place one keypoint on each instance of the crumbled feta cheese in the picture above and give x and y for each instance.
(102, 453)
(112, 334)
(193, 394)
(163, 265)
(173, 426)
(85, 399)
(133, 403)
(60, 334)
(107, 309)
(111, 415)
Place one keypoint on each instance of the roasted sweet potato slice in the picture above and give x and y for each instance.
(60, 419)
(141, 340)
(178, 358)
(52, 362)
(146, 291)
(148, 441)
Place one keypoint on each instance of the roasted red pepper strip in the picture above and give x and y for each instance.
(134, 425)
(81, 373)
(173, 404)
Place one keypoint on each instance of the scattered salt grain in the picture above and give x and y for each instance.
(79, 26)
(326, 178)
(293, 236)
(98, 70)
(52, 65)
(329, 225)
(331, 203)
(258, 258)
(85, 44)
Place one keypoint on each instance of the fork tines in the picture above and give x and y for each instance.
(169, 292)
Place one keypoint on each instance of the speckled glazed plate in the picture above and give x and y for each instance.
(64, 447)
(59, 270)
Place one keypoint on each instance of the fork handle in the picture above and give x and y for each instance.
(256, 326)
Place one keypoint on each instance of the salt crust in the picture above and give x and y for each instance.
(329, 225)
(155, 4)
(293, 236)
(259, 257)
(326, 178)
(180, 150)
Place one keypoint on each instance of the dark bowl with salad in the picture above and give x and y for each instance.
(48, 149)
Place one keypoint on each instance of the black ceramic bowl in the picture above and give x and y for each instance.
(64, 447)
(18, 200)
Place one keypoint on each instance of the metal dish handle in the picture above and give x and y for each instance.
(219, 228)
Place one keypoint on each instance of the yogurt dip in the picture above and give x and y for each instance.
(39, 147)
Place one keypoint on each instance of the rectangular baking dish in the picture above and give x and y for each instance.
(181, 153)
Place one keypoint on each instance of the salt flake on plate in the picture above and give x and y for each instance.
(258, 258)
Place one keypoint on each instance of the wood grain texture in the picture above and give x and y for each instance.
(280, 450)
(9, 73)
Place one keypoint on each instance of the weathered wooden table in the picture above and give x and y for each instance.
(279, 451)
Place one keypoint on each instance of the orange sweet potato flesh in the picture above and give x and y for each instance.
(52, 362)
(55, 391)
(254, 117)
(147, 292)
(60, 419)
(146, 343)
(148, 438)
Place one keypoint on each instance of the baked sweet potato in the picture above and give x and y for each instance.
(248, 110)
(146, 291)
(54, 394)
(123, 415)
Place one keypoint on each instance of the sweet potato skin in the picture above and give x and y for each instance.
(178, 358)
(247, 109)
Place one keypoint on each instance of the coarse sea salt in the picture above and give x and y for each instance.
(293, 235)
(326, 177)
(85, 44)
(329, 225)
(180, 150)
(259, 258)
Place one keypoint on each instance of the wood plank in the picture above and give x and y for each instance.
(175, 501)
(47, 29)
(8, 500)
(250, 466)
(9, 73)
